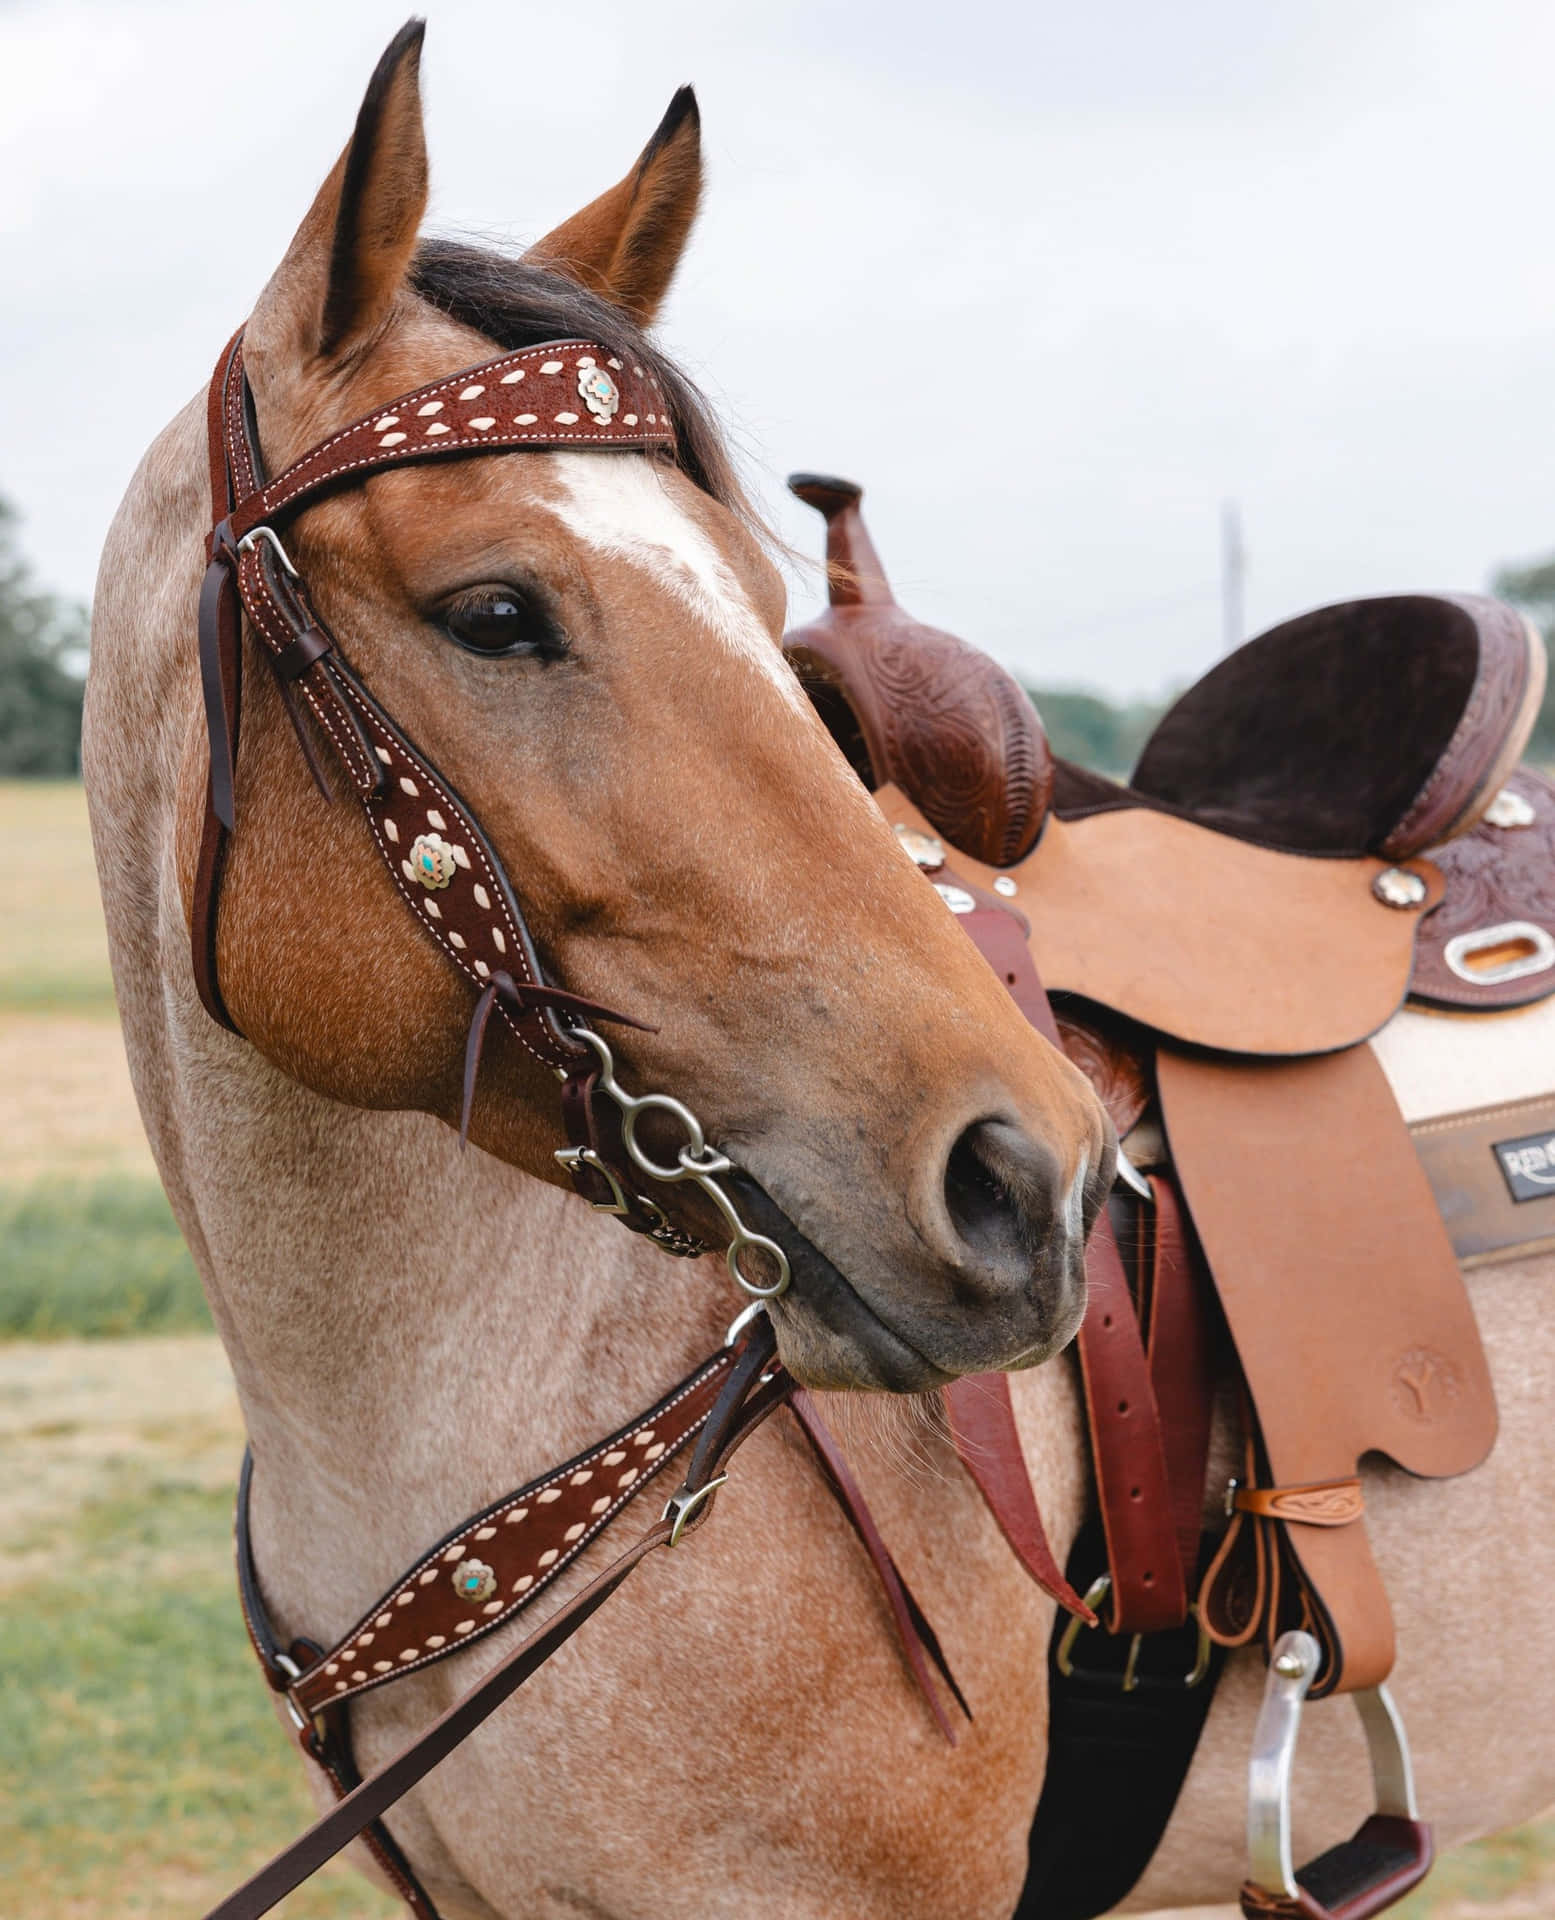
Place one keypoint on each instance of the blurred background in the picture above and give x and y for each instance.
(1259, 304)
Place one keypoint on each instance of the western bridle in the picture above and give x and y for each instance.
(562, 394)
(555, 396)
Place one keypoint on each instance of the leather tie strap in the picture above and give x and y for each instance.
(523, 996)
(919, 1642)
(1319, 1503)
(982, 1424)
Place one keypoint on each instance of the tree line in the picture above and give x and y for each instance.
(43, 659)
(42, 662)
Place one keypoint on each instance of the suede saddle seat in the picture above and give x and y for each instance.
(1259, 885)
(1383, 726)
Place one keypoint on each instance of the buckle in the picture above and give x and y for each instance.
(272, 540)
(1131, 1679)
(684, 1505)
(572, 1158)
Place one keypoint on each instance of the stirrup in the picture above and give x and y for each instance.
(1389, 1853)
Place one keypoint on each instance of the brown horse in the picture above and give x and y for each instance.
(588, 644)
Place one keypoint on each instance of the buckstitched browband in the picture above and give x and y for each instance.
(568, 393)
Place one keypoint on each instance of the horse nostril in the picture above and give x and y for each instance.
(1001, 1192)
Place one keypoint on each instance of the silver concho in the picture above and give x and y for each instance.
(474, 1580)
(599, 393)
(1509, 810)
(432, 861)
(1396, 887)
(923, 849)
(956, 898)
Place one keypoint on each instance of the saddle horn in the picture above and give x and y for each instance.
(914, 707)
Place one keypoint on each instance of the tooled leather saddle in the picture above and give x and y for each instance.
(1332, 821)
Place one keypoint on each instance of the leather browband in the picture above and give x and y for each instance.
(532, 399)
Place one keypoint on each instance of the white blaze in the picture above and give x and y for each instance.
(622, 507)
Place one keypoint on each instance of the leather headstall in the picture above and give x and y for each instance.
(562, 394)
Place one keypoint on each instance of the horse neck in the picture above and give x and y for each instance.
(376, 1281)
(413, 1330)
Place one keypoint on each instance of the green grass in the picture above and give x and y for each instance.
(141, 1769)
(68, 970)
(1504, 1867)
(94, 1257)
(39, 991)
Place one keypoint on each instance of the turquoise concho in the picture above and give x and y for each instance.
(433, 861)
(474, 1580)
(599, 393)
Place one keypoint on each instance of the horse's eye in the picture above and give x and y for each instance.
(501, 620)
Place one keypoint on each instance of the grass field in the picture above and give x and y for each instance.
(53, 956)
(141, 1769)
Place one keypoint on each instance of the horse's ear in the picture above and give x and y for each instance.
(342, 272)
(627, 243)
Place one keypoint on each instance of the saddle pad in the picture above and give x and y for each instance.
(1342, 1293)
(1493, 1171)
(1210, 940)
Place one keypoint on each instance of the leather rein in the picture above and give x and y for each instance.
(562, 394)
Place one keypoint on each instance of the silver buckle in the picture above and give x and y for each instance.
(272, 541)
(1292, 1669)
(293, 1673)
(685, 1503)
(571, 1157)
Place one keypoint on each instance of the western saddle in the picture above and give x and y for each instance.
(1331, 821)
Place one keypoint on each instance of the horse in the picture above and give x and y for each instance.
(589, 644)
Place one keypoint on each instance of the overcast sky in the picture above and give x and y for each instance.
(1298, 254)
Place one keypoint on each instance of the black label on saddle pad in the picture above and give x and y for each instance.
(1528, 1166)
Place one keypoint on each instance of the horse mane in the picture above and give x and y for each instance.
(516, 305)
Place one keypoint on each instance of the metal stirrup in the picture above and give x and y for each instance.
(1292, 1670)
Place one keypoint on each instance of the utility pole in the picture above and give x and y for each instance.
(1233, 576)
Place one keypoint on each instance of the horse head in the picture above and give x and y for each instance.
(588, 645)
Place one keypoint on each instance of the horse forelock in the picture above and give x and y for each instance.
(515, 304)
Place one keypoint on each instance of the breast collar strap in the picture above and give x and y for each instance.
(558, 395)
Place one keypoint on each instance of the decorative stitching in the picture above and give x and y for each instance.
(1474, 1115)
(350, 755)
(455, 1548)
(305, 475)
(552, 1056)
